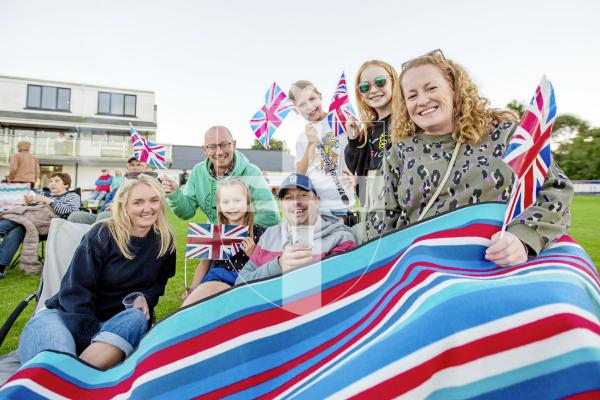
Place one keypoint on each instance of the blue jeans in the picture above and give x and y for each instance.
(47, 331)
(98, 195)
(13, 237)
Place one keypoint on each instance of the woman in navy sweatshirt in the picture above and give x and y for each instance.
(118, 272)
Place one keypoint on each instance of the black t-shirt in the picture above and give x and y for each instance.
(378, 141)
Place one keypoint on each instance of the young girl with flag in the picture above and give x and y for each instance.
(234, 207)
(376, 87)
(320, 153)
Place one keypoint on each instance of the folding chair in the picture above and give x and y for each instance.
(63, 239)
(42, 238)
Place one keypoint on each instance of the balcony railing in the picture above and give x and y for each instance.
(62, 148)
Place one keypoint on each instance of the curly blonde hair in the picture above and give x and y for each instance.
(473, 115)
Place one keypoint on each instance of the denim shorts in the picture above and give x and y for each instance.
(221, 275)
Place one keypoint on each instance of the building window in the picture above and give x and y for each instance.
(116, 104)
(48, 98)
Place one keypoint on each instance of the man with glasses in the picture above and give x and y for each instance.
(222, 161)
(134, 168)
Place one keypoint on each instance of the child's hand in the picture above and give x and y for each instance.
(248, 246)
(348, 179)
(353, 129)
(507, 251)
(311, 133)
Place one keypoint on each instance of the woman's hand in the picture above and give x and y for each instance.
(348, 179)
(141, 304)
(248, 245)
(506, 251)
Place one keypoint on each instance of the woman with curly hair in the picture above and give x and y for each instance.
(447, 152)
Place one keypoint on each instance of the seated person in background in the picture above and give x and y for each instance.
(61, 202)
(102, 185)
(289, 244)
(134, 167)
(108, 294)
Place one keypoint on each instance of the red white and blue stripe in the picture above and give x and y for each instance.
(214, 242)
(528, 152)
(147, 151)
(340, 108)
(266, 120)
(418, 314)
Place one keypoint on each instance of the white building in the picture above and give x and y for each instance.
(74, 128)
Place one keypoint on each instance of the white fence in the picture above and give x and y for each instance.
(587, 187)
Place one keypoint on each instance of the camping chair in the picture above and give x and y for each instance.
(63, 239)
(42, 238)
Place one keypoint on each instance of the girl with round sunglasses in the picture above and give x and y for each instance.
(376, 87)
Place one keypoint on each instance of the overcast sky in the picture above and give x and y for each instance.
(211, 63)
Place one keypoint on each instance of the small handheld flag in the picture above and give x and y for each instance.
(528, 152)
(266, 120)
(340, 108)
(214, 242)
(147, 151)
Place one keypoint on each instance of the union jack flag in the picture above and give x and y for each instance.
(340, 108)
(214, 242)
(528, 152)
(147, 151)
(266, 120)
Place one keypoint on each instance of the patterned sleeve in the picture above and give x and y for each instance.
(383, 216)
(548, 218)
(66, 204)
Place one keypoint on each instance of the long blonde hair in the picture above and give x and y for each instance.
(473, 115)
(120, 226)
(367, 114)
(249, 217)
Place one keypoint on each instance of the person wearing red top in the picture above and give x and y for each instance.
(102, 186)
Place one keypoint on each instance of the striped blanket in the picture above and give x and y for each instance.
(417, 314)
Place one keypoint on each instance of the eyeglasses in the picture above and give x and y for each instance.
(431, 53)
(379, 81)
(213, 147)
(135, 175)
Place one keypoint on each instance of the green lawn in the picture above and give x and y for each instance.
(585, 228)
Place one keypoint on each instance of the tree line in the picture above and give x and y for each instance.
(576, 145)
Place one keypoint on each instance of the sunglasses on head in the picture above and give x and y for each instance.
(135, 175)
(431, 53)
(379, 81)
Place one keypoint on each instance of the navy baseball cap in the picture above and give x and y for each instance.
(296, 181)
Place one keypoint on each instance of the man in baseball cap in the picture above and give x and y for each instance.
(303, 237)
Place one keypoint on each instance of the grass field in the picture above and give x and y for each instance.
(585, 228)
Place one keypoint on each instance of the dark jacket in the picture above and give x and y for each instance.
(99, 277)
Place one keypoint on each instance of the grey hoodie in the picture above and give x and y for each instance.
(330, 237)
